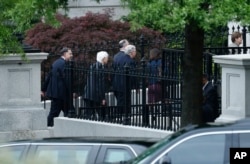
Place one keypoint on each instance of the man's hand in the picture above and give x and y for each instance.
(75, 95)
(43, 94)
(103, 102)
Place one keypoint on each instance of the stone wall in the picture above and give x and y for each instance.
(21, 113)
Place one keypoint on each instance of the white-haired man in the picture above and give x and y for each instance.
(96, 85)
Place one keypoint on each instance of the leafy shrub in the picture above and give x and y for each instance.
(88, 34)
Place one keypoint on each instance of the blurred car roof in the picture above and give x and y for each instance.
(90, 139)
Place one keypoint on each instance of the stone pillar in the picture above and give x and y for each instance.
(21, 113)
(235, 86)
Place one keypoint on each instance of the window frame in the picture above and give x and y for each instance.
(237, 139)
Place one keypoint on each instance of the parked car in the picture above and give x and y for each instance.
(75, 150)
(204, 144)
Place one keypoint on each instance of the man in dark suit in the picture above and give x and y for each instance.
(118, 65)
(210, 107)
(122, 44)
(119, 80)
(119, 85)
(96, 86)
(56, 86)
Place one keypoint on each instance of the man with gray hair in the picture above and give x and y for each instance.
(122, 44)
(131, 51)
(117, 66)
(119, 85)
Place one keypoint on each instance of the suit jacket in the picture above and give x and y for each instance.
(57, 82)
(117, 57)
(118, 81)
(211, 99)
(97, 83)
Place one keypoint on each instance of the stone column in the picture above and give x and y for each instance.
(21, 113)
(235, 86)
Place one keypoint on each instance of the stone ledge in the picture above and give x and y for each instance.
(23, 120)
(68, 127)
(23, 135)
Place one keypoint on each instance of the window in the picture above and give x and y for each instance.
(12, 152)
(62, 154)
(205, 149)
(244, 140)
(116, 155)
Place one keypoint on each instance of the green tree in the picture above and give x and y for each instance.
(195, 17)
(19, 15)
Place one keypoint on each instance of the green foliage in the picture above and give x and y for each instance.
(196, 18)
(6, 39)
(175, 15)
(24, 13)
(19, 15)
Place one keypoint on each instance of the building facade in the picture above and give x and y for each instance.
(79, 8)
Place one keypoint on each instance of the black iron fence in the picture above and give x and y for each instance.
(164, 114)
(137, 111)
